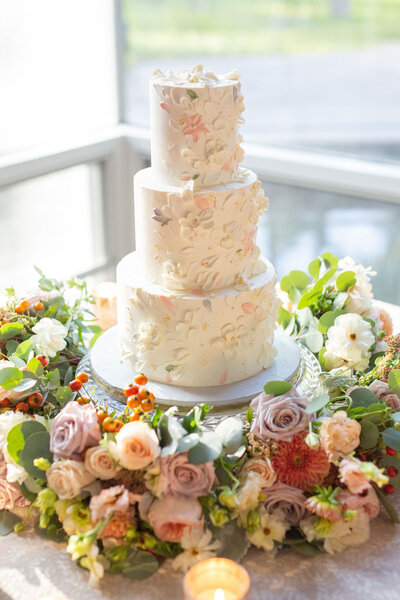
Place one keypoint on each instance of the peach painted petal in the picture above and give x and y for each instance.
(227, 165)
(247, 308)
(167, 302)
(168, 378)
(197, 292)
(201, 202)
(164, 106)
(224, 377)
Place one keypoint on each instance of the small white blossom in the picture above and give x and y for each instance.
(197, 545)
(349, 342)
(273, 529)
(49, 336)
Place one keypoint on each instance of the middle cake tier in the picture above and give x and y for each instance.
(191, 340)
(196, 241)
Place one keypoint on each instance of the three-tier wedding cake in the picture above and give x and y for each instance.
(196, 302)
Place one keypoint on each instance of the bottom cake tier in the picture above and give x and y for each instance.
(188, 340)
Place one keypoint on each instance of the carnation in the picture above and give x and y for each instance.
(368, 502)
(352, 476)
(339, 435)
(169, 516)
(279, 417)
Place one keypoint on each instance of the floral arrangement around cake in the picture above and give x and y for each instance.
(129, 491)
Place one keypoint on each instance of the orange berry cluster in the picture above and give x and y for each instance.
(76, 385)
(139, 399)
(24, 305)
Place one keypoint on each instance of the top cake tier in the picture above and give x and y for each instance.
(195, 119)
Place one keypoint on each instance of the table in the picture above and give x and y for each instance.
(35, 569)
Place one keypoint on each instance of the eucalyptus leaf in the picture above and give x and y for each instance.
(7, 522)
(391, 438)
(10, 377)
(295, 279)
(313, 339)
(54, 530)
(388, 506)
(284, 317)
(277, 388)
(317, 403)
(314, 268)
(36, 446)
(17, 362)
(330, 259)
(369, 434)
(186, 443)
(35, 366)
(345, 280)
(27, 493)
(322, 281)
(10, 330)
(340, 300)
(208, 449)
(362, 396)
(394, 380)
(64, 395)
(26, 385)
(23, 349)
(19, 434)
(328, 319)
(139, 564)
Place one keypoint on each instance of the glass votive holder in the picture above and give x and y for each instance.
(216, 579)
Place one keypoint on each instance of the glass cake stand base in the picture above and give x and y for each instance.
(110, 376)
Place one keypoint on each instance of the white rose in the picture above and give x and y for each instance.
(100, 464)
(50, 336)
(136, 446)
(67, 478)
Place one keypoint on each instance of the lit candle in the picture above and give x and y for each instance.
(105, 304)
(216, 579)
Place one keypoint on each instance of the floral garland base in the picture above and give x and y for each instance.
(129, 491)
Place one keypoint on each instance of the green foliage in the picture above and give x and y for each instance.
(23, 349)
(209, 447)
(391, 438)
(328, 319)
(345, 280)
(19, 436)
(194, 418)
(296, 279)
(317, 403)
(53, 531)
(130, 562)
(10, 330)
(37, 446)
(314, 268)
(7, 522)
(369, 434)
(234, 543)
(230, 433)
(362, 397)
(394, 380)
(10, 377)
(387, 505)
(277, 388)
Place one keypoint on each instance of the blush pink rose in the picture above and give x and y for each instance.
(181, 478)
(368, 502)
(136, 446)
(10, 495)
(171, 515)
(353, 477)
(111, 500)
(73, 430)
(279, 418)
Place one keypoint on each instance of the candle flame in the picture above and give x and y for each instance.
(219, 594)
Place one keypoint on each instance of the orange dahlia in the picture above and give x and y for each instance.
(296, 464)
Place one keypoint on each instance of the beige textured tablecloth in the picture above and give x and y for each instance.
(34, 569)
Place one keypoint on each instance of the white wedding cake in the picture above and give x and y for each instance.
(196, 302)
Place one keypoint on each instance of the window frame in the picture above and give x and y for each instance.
(124, 149)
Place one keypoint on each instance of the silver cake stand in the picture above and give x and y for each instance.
(110, 376)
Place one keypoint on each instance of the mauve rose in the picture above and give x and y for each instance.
(288, 499)
(382, 392)
(180, 478)
(73, 430)
(171, 515)
(10, 495)
(368, 502)
(279, 418)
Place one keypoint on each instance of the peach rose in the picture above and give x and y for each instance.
(368, 502)
(100, 464)
(339, 435)
(263, 467)
(136, 446)
(353, 477)
(111, 500)
(67, 478)
(171, 515)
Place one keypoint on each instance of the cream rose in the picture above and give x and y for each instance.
(100, 464)
(136, 446)
(339, 435)
(68, 477)
(263, 467)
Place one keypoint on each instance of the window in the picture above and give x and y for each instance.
(316, 74)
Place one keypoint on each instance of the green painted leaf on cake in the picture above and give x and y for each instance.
(170, 368)
(192, 94)
(277, 388)
(195, 176)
